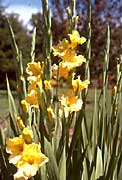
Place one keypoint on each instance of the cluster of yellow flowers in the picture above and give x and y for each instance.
(66, 51)
(36, 85)
(34, 71)
(24, 154)
(69, 60)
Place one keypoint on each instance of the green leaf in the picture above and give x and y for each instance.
(111, 166)
(12, 110)
(99, 164)
(14, 41)
(93, 174)
(52, 168)
(95, 122)
(75, 137)
(33, 45)
(2, 137)
(43, 172)
(120, 172)
(84, 133)
(119, 168)
(62, 166)
(85, 171)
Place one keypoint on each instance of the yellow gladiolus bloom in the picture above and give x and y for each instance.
(32, 98)
(26, 157)
(79, 85)
(32, 158)
(51, 114)
(24, 105)
(76, 39)
(32, 79)
(32, 86)
(15, 145)
(60, 49)
(33, 155)
(39, 86)
(35, 83)
(20, 122)
(34, 69)
(60, 71)
(114, 90)
(48, 86)
(70, 56)
(71, 60)
(27, 171)
(71, 104)
(55, 70)
(63, 70)
(27, 135)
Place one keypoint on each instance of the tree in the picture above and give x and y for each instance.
(7, 60)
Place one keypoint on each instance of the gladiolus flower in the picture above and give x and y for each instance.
(76, 39)
(60, 71)
(15, 147)
(24, 105)
(79, 85)
(20, 122)
(32, 98)
(60, 49)
(114, 90)
(27, 135)
(71, 56)
(71, 104)
(34, 69)
(32, 158)
(26, 157)
(51, 114)
(48, 86)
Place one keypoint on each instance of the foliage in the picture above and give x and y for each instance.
(6, 50)
(76, 147)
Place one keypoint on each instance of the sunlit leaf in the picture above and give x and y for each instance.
(99, 164)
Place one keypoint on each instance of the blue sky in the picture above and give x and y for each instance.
(31, 3)
(25, 9)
